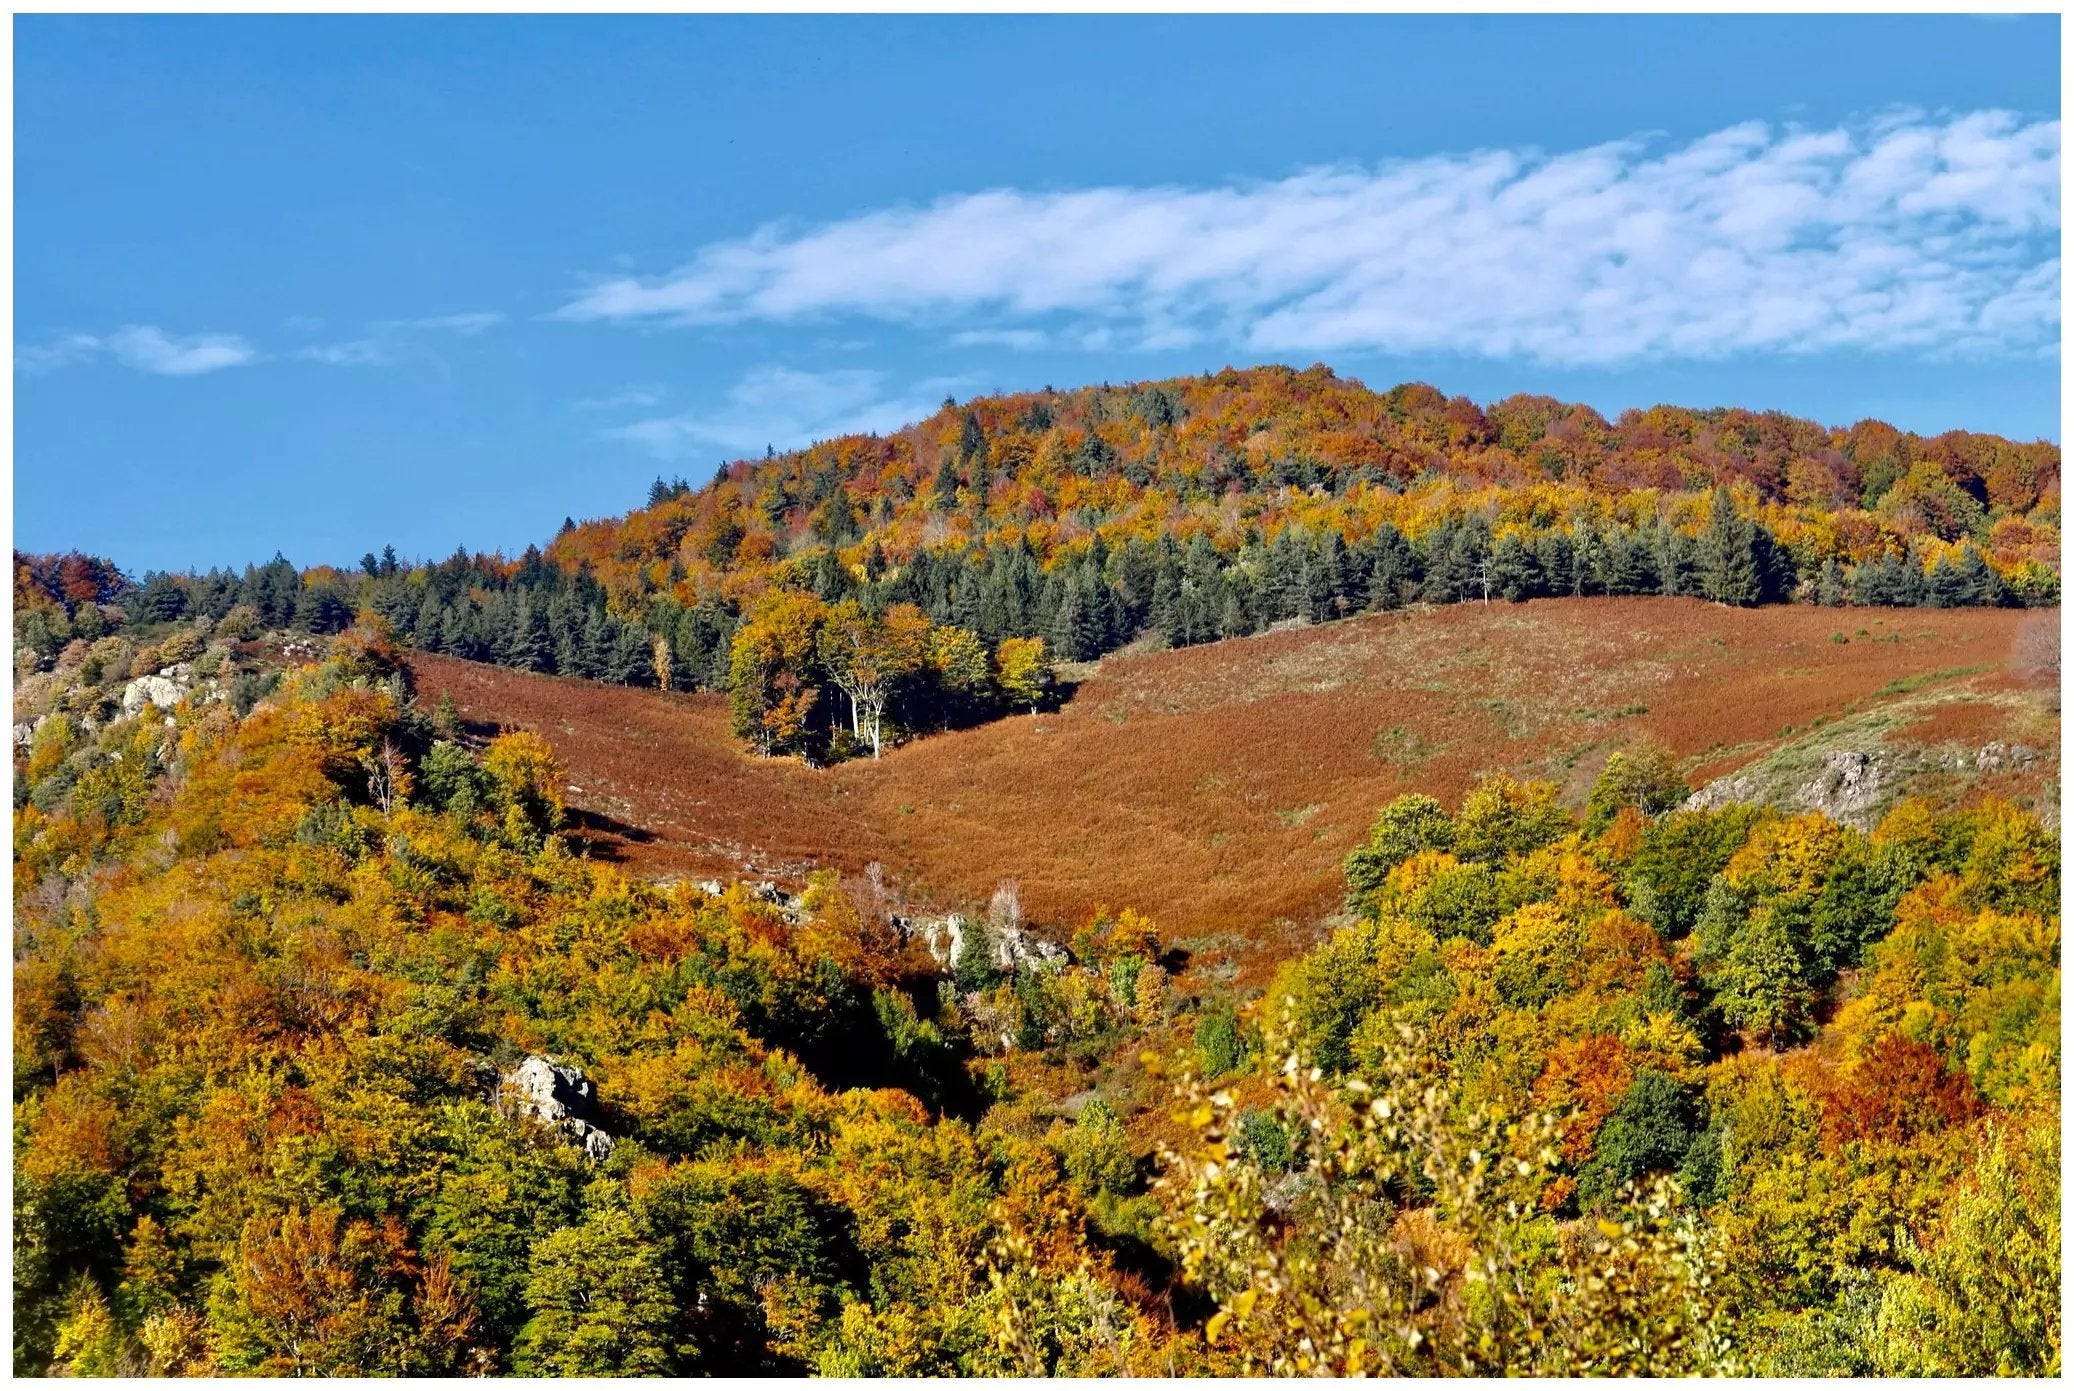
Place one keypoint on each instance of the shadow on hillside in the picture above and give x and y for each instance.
(600, 836)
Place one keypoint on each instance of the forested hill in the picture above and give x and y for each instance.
(1065, 524)
(1240, 457)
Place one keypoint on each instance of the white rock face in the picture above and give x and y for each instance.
(1011, 948)
(556, 1095)
(162, 691)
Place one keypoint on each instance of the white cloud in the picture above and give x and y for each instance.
(467, 325)
(394, 341)
(145, 348)
(151, 349)
(358, 352)
(786, 408)
(1020, 339)
(1908, 232)
(61, 351)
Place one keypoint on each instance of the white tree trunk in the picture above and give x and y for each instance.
(874, 723)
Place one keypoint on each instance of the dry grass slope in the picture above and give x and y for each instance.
(1219, 787)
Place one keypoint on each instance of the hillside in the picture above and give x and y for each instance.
(1240, 455)
(341, 1047)
(1221, 786)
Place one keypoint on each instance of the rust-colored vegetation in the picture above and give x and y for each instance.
(1219, 787)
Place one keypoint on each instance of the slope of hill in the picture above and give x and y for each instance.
(1220, 787)
(297, 952)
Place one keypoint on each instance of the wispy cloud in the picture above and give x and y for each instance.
(390, 342)
(357, 352)
(467, 325)
(150, 349)
(784, 407)
(1021, 339)
(143, 347)
(1909, 232)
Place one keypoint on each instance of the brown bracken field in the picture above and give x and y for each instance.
(1219, 787)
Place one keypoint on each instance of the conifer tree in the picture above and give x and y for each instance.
(1729, 570)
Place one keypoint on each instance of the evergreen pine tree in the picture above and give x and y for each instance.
(1675, 572)
(525, 642)
(1514, 575)
(1829, 585)
(629, 657)
(456, 632)
(594, 648)
(1729, 571)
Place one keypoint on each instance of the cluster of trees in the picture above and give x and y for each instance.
(1603, 1011)
(265, 987)
(1188, 510)
(530, 614)
(829, 680)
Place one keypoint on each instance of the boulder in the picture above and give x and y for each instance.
(162, 691)
(1995, 756)
(558, 1096)
(1723, 791)
(1016, 947)
(943, 938)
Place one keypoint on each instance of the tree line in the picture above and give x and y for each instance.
(538, 615)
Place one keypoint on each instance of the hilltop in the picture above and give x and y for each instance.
(1239, 455)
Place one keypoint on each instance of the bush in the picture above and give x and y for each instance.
(1219, 1049)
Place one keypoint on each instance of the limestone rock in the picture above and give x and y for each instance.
(946, 939)
(1995, 756)
(1846, 787)
(557, 1095)
(162, 691)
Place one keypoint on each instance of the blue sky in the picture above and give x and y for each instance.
(318, 284)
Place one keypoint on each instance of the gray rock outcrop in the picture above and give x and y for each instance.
(1846, 788)
(559, 1096)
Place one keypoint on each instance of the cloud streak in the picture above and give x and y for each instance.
(1909, 233)
(467, 325)
(785, 407)
(151, 349)
(145, 348)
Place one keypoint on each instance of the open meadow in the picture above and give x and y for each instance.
(1219, 787)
